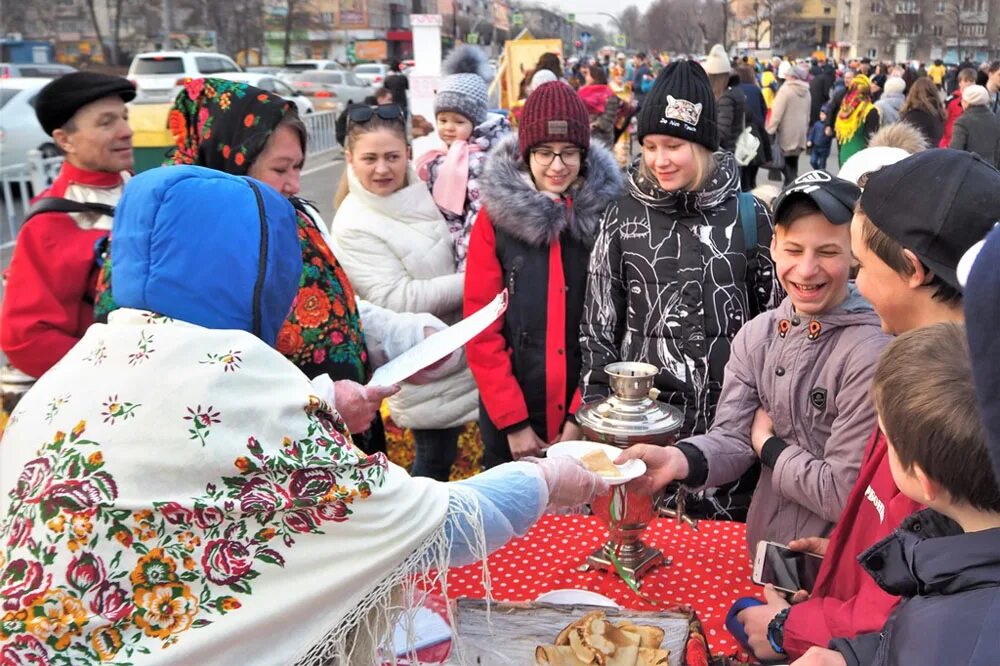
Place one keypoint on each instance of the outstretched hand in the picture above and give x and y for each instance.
(358, 404)
(569, 482)
(663, 465)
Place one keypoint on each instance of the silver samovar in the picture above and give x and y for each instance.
(631, 415)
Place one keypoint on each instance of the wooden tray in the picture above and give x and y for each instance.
(515, 629)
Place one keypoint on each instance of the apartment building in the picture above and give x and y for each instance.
(924, 30)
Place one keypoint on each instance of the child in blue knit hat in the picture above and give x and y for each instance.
(468, 132)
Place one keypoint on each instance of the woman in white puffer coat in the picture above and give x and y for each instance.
(397, 251)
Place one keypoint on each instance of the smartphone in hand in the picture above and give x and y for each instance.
(786, 569)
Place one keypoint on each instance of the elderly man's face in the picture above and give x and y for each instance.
(98, 137)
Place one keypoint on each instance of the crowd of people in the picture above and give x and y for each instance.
(203, 454)
(801, 107)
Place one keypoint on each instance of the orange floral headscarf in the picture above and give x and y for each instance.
(222, 125)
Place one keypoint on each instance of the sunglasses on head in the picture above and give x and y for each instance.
(363, 113)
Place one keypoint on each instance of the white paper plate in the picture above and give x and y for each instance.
(438, 346)
(631, 469)
(572, 597)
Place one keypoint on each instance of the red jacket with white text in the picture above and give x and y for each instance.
(846, 601)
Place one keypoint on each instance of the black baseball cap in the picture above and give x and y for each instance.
(835, 197)
(937, 204)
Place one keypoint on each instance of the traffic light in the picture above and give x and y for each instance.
(578, 44)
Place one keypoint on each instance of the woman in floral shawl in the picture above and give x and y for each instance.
(242, 130)
(857, 120)
(175, 491)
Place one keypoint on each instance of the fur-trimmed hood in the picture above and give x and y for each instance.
(517, 207)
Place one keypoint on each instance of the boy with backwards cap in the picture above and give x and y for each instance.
(49, 300)
(914, 221)
(795, 394)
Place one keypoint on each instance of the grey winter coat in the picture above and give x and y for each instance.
(950, 584)
(888, 107)
(977, 130)
(812, 376)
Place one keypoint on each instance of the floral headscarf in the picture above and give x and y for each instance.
(854, 109)
(222, 125)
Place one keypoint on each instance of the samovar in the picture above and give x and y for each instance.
(631, 415)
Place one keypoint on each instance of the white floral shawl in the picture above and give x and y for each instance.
(175, 494)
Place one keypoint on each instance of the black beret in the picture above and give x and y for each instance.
(60, 99)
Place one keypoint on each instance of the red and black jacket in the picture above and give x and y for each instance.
(527, 363)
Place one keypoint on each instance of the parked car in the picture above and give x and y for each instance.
(158, 76)
(274, 85)
(19, 127)
(331, 90)
(373, 72)
(274, 70)
(49, 70)
(312, 63)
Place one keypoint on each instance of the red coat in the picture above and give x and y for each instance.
(49, 298)
(507, 403)
(954, 109)
(847, 601)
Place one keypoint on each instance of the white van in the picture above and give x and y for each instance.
(158, 76)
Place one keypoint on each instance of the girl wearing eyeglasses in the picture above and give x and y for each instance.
(543, 194)
(398, 252)
(682, 261)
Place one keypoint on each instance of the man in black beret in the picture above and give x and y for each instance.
(49, 300)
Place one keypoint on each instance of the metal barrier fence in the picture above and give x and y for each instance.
(322, 129)
(19, 183)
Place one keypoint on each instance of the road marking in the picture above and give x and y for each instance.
(337, 160)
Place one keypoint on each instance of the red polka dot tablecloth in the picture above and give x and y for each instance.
(710, 569)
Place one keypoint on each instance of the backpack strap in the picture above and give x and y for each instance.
(748, 218)
(60, 205)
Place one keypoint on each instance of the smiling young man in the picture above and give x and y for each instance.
(795, 394)
(49, 300)
(914, 222)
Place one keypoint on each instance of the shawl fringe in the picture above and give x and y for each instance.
(364, 636)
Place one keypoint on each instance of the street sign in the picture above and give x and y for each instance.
(571, 18)
(472, 38)
(620, 40)
(585, 37)
(517, 18)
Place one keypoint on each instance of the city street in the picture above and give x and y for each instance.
(320, 180)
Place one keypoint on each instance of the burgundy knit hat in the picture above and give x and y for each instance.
(553, 112)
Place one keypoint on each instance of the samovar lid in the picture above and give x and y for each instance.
(630, 418)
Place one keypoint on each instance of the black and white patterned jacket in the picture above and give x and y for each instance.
(671, 282)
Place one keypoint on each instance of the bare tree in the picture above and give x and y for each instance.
(13, 16)
(954, 24)
(631, 22)
(724, 6)
(780, 17)
(289, 21)
(115, 9)
(97, 30)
